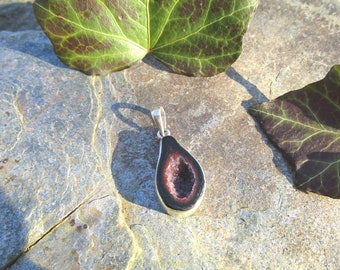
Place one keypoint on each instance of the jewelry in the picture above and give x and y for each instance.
(180, 182)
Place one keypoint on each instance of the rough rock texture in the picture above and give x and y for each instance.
(78, 157)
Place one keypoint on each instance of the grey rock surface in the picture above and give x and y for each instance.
(17, 16)
(78, 157)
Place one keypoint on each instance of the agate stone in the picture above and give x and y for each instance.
(180, 180)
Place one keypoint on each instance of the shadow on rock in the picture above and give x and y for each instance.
(153, 62)
(258, 97)
(13, 234)
(17, 17)
(20, 31)
(34, 43)
(134, 160)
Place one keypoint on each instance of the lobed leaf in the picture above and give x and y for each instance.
(305, 125)
(192, 37)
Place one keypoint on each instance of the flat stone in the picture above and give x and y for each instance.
(52, 165)
(78, 156)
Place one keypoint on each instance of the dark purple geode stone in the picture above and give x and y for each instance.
(180, 180)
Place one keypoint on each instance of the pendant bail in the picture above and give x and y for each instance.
(159, 117)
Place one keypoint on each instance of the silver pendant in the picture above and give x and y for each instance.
(180, 182)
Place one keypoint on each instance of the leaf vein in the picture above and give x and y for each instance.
(199, 29)
(79, 25)
(320, 173)
(165, 22)
(266, 114)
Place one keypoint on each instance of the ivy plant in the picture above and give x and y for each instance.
(305, 125)
(191, 37)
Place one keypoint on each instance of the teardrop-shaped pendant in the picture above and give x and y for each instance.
(180, 182)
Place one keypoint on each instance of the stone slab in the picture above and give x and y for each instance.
(78, 157)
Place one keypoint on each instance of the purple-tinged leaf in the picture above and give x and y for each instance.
(305, 125)
(192, 37)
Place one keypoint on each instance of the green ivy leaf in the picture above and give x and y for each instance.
(192, 37)
(305, 125)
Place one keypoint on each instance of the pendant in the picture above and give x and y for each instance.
(180, 182)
